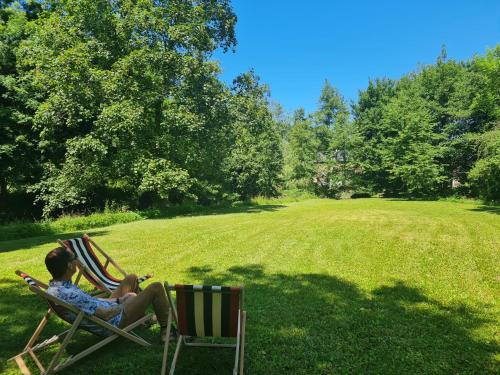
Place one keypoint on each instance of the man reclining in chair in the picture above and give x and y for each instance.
(122, 308)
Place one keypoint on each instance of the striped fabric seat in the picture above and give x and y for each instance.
(98, 275)
(28, 279)
(208, 310)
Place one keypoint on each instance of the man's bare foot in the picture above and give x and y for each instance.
(163, 334)
(151, 321)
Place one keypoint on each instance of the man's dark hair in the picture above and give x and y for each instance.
(57, 261)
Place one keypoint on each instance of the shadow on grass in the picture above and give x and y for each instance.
(28, 243)
(297, 324)
(321, 324)
(188, 211)
(490, 209)
(29, 233)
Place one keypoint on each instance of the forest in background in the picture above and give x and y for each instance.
(118, 103)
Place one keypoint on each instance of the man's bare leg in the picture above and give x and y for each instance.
(128, 285)
(135, 307)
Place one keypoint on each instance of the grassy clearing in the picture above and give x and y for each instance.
(357, 286)
(71, 223)
(65, 224)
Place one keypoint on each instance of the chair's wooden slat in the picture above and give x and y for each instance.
(38, 282)
(237, 354)
(108, 257)
(118, 331)
(242, 350)
(176, 354)
(210, 345)
(168, 289)
(65, 342)
(98, 345)
(165, 347)
(22, 365)
(35, 359)
(39, 329)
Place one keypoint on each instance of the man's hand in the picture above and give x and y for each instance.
(107, 313)
(127, 297)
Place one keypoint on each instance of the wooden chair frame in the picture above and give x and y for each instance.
(82, 267)
(239, 345)
(56, 364)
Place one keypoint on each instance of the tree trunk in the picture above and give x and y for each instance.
(3, 195)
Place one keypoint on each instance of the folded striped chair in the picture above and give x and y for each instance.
(208, 311)
(93, 269)
(77, 320)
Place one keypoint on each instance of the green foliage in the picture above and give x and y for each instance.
(410, 155)
(301, 152)
(120, 101)
(17, 151)
(255, 161)
(340, 156)
(418, 135)
(65, 224)
(123, 97)
(368, 114)
(160, 177)
(485, 174)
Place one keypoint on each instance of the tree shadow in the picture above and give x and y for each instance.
(410, 199)
(490, 209)
(299, 324)
(34, 234)
(28, 243)
(322, 324)
(191, 211)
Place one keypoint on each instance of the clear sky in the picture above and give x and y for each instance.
(295, 45)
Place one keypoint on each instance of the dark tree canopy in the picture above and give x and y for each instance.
(119, 102)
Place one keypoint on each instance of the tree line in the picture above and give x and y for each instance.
(433, 133)
(119, 102)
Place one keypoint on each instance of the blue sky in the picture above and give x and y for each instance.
(295, 45)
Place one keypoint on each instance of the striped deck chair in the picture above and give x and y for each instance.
(208, 311)
(78, 320)
(93, 269)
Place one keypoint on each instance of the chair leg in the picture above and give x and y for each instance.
(176, 354)
(38, 329)
(242, 350)
(22, 365)
(238, 341)
(65, 342)
(27, 349)
(97, 346)
(165, 348)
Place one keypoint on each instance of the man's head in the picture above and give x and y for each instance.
(61, 263)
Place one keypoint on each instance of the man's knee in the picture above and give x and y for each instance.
(130, 281)
(131, 278)
(156, 286)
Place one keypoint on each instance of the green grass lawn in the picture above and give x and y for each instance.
(353, 286)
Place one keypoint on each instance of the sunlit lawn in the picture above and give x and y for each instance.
(354, 286)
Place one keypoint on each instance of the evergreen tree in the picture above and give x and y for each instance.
(369, 126)
(410, 154)
(301, 153)
(485, 174)
(255, 161)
